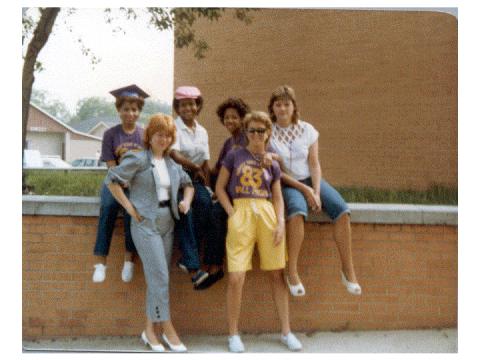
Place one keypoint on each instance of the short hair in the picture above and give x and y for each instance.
(119, 101)
(284, 92)
(261, 117)
(234, 103)
(198, 101)
(159, 122)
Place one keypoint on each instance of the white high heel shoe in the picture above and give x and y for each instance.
(157, 348)
(352, 288)
(176, 348)
(295, 290)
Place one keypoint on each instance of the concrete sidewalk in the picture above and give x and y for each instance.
(402, 341)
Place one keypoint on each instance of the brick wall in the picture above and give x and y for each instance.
(380, 86)
(408, 274)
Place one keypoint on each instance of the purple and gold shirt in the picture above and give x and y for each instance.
(116, 143)
(248, 179)
(230, 144)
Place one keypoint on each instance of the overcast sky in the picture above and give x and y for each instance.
(142, 55)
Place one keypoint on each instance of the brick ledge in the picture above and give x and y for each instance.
(361, 212)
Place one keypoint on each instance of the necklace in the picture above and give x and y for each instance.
(257, 156)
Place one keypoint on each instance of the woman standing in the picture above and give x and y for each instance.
(296, 142)
(154, 180)
(126, 136)
(255, 217)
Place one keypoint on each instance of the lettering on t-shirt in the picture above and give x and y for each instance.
(121, 149)
(250, 179)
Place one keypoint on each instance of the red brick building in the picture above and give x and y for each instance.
(380, 86)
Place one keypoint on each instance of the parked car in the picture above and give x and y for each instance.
(88, 162)
(32, 159)
(55, 162)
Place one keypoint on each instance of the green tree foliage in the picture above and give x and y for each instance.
(98, 107)
(153, 106)
(44, 100)
(37, 28)
(93, 107)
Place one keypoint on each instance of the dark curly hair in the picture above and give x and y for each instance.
(234, 103)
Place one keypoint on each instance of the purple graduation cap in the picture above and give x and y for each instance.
(130, 91)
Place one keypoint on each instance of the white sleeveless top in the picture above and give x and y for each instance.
(163, 187)
(292, 144)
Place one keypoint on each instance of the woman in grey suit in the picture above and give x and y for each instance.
(154, 180)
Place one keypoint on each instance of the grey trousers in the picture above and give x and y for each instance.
(153, 240)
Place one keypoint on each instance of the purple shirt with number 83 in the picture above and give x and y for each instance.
(248, 179)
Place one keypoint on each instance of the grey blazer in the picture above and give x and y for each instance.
(136, 170)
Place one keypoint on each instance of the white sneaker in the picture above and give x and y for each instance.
(235, 344)
(291, 342)
(99, 273)
(127, 271)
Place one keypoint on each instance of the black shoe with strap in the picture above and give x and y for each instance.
(212, 279)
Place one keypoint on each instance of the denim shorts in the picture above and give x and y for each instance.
(332, 202)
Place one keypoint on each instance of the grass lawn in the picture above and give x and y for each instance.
(87, 183)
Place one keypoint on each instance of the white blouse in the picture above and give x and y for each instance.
(163, 187)
(292, 144)
(193, 144)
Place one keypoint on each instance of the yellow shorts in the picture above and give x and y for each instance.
(253, 221)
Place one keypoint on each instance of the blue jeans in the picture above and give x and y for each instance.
(332, 202)
(109, 208)
(199, 224)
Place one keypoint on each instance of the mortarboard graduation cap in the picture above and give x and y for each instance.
(130, 91)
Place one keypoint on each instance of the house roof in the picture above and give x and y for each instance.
(61, 123)
(88, 125)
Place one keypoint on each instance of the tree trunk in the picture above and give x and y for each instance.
(39, 39)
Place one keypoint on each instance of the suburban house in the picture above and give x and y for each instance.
(52, 136)
(97, 126)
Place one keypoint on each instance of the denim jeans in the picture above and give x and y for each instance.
(196, 225)
(333, 203)
(109, 208)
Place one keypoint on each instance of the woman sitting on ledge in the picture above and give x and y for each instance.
(154, 180)
(296, 143)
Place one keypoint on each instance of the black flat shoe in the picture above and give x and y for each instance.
(210, 280)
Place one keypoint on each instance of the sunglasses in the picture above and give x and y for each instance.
(256, 130)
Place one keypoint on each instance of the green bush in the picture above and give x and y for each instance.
(87, 183)
(65, 182)
(435, 194)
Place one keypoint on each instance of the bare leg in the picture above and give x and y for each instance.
(128, 256)
(170, 332)
(234, 299)
(100, 259)
(280, 297)
(295, 235)
(150, 332)
(343, 239)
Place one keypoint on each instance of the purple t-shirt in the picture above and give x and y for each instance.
(116, 143)
(230, 144)
(248, 179)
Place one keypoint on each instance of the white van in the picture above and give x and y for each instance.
(32, 159)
